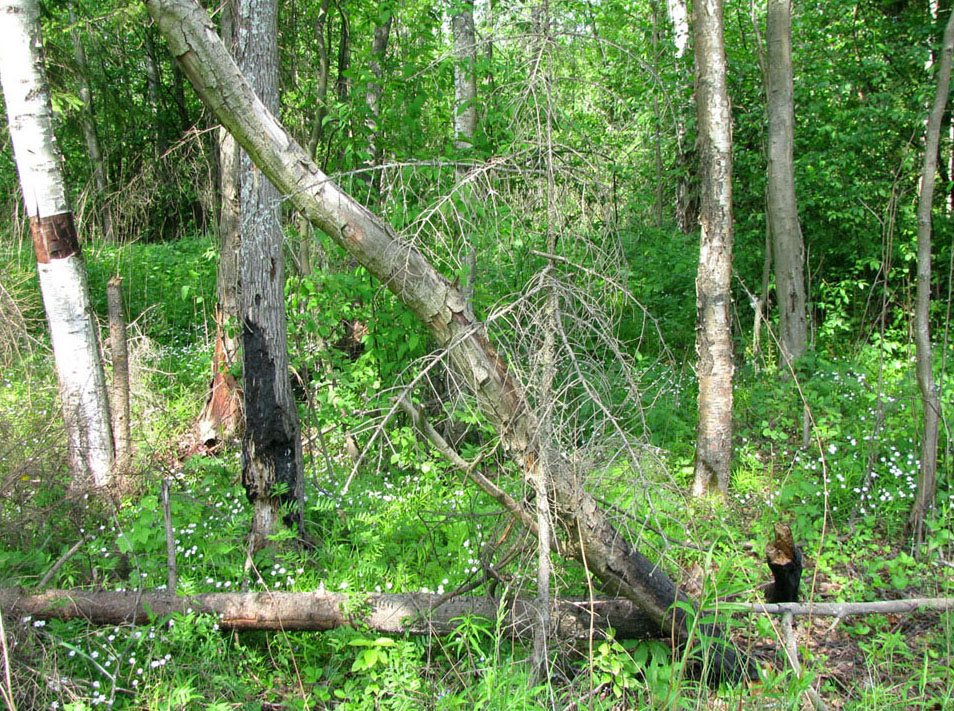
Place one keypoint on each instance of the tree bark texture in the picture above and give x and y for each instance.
(120, 354)
(465, 76)
(62, 273)
(590, 536)
(271, 447)
(379, 49)
(411, 613)
(787, 246)
(930, 402)
(714, 367)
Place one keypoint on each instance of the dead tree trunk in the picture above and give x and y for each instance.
(271, 447)
(590, 537)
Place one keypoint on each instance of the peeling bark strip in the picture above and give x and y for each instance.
(590, 536)
(412, 613)
(54, 237)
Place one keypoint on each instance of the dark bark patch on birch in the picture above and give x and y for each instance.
(54, 237)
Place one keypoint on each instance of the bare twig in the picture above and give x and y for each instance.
(846, 609)
(791, 651)
(6, 691)
(59, 564)
(172, 579)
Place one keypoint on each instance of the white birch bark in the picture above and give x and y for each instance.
(465, 78)
(62, 273)
(714, 366)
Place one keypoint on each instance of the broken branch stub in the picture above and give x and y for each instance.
(400, 266)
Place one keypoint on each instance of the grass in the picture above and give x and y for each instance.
(406, 522)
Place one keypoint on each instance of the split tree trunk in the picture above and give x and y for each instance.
(271, 447)
(930, 402)
(62, 273)
(715, 366)
(413, 613)
(223, 416)
(788, 249)
(590, 537)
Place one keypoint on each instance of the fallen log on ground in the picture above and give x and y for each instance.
(413, 613)
(588, 535)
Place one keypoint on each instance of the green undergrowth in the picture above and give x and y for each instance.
(399, 519)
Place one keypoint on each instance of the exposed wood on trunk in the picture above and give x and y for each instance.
(590, 535)
(930, 401)
(62, 273)
(785, 561)
(413, 613)
(223, 416)
(714, 367)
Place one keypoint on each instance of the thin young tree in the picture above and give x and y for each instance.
(88, 121)
(714, 367)
(930, 402)
(788, 249)
(62, 272)
(271, 447)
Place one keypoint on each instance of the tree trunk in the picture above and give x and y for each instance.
(465, 76)
(715, 366)
(787, 246)
(379, 48)
(153, 83)
(222, 417)
(120, 389)
(271, 448)
(62, 273)
(409, 613)
(590, 537)
(88, 122)
(930, 402)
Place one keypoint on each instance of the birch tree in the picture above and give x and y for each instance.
(714, 367)
(62, 272)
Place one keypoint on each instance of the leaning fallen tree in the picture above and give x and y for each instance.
(588, 534)
(409, 613)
